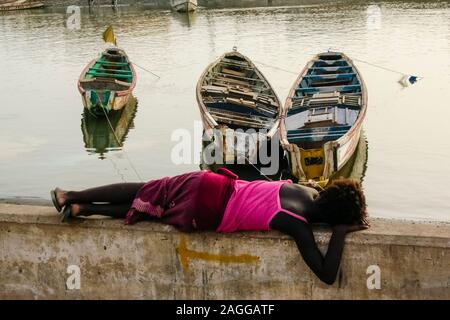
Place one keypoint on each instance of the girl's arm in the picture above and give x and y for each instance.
(325, 268)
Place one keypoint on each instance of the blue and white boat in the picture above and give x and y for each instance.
(323, 116)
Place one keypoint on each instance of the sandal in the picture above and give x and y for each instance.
(66, 213)
(55, 202)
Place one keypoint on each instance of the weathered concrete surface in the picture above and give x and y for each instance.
(153, 261)
(165, 4)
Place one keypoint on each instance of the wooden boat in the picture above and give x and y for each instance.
(6, 5)
(184, 5)
(102, 135)
(233, 94)
(323, 116)
(107, 82)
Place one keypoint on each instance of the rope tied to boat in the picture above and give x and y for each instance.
(151, 72)
(406, 80)
(274, 67)
(121, 145)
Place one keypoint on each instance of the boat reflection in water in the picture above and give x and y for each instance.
(356, 167)
(186, 18)
(101, 136)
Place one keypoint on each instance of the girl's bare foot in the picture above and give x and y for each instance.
(61, 197)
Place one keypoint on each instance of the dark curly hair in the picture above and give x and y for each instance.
(342, 202)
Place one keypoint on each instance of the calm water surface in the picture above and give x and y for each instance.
(45, 139)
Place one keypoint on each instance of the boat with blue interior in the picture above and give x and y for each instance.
(322, 117)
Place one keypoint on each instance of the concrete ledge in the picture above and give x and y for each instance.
(154, 261)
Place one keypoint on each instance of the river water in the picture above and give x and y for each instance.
(45, 140)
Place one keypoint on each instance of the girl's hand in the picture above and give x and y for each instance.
(357, 227)
(350, 228)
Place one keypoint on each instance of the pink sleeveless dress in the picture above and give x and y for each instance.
(253, 205)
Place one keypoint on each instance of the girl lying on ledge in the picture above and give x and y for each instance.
(205, 200)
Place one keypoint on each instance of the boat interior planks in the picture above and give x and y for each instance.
(234, 93)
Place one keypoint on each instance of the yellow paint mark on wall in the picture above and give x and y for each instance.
(186, 254)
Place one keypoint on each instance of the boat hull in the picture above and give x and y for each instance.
(184, 6)
(335, 153)
(115, 103)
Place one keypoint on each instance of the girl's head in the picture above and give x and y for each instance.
(342, 202)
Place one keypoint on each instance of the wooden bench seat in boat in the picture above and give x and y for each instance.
(330, 70)
(232, 81)
(238, 115)
(106, 62)
(330, 56)
(245, 92)
(345, 88)
(102, 83)
(351, 100)
(233, 72)
(236, 62)
(317, 134)
(109, 75)
(318, 99)
(112, 70)
(227, 90)
(241, 102)
(330, 63)
(334, 76)
(237, 118)
(232, 76)
(222, 63)
(324, 99)
(258, 107)
(215, 89)
(329, 83)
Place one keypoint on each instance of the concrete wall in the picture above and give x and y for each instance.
(153, 261)
(165, 4)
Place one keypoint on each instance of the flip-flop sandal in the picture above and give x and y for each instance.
(66, 213)
(55, 202)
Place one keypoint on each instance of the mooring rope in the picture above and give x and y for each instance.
(149, 71)
(256, 168)
(121, 145)
(355, 59)
(274, 67)
(119, 173)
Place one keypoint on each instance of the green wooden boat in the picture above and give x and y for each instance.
(107, 82)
